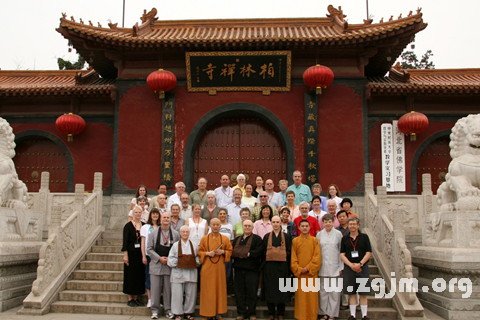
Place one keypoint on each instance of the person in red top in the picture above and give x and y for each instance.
(304, 209)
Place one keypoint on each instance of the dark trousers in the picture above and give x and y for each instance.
(246, 284)
(280, 309)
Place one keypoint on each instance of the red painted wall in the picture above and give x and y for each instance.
(340, 124)
(91, 151)
(139, 137)
(411, 149)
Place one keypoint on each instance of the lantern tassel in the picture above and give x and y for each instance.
(70, 137)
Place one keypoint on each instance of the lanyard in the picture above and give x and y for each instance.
(354, 243)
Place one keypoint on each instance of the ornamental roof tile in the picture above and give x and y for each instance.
(430, 81)
(332, 30)
(61, 82)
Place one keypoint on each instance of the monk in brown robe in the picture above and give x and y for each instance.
(214, 250)
(306, 262)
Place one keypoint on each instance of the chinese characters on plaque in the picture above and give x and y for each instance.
(238, 71)
(393, 157)
(168, 139)
(311, 143)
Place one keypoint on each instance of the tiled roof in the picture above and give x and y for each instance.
(430, 81)
(330, 31)
(70, 82)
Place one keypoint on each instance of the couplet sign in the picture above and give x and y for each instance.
(238, 71)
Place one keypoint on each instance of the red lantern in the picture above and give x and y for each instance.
(70, 124)
(412, 123)
(318, 77)
(161, 81)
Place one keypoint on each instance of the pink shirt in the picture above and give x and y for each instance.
(261, 228)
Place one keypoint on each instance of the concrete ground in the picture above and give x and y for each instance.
(12, 315)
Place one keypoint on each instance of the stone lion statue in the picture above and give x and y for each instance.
(13, 192)
(461, 189)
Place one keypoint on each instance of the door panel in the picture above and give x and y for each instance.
(434, 160)
(239, 145)
(37, 154)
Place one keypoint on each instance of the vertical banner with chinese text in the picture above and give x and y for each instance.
(168, 140)
(393, 157)
(387, 156)
(398, 158)
(311, 139)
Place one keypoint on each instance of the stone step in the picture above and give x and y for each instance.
(119, 297)
(123, 309)
(101, 265)
(373, 269)
(17, 292)
(111, 257)
(93, 296)
(109, 242)
(106, 248)
(15, 281)
(112, 234)
(101, 275)
(98, 308)
(92, 285)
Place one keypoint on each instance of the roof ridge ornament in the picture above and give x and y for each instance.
(112, 25)
(397, 73)
(148, 19)
(338, 17)
(334, 12)
(149, 16)
(86, 76)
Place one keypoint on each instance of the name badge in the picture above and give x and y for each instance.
(354, 254)
(137, 245)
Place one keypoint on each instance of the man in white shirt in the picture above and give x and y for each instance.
(175, 198)
(224, 193)
(274, 198)
(234, 208)
(330, 240)
(186, 208)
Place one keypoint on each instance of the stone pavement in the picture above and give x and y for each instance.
(12, 315)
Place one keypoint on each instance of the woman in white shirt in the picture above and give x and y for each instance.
(334, 193)
(141, 191)
(247, 198)
(197, 225)
(151, 226)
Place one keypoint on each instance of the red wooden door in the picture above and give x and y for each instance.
(434, 160)
(239, 145)
(37, 154)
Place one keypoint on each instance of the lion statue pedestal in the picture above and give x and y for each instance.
(20, 228)
(450, 247)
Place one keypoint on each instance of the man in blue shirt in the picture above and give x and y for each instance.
(302, 191)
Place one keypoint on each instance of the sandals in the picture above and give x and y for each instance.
(189, 317)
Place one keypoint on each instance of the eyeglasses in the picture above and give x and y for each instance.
(263, 196)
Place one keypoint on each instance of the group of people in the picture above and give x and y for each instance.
(176, 246)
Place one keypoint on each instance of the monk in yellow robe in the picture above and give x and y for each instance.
(306, 262)
(214, 250)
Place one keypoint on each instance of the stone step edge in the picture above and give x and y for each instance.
(117, 304)
(97, 271)
(119, 293)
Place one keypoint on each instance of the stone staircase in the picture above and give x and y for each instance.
(95, 287)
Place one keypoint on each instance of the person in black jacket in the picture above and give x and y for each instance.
(247, 258)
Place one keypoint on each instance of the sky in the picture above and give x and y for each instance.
(29, 40)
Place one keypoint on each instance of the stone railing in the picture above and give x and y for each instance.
(389, 248)
(68, 242)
